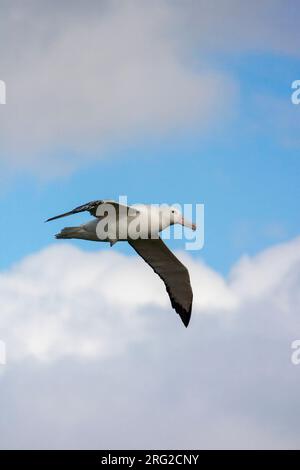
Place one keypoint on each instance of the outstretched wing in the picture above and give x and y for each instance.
(92, 208)
(174, 274)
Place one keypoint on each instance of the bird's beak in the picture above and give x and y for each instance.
(189, 224)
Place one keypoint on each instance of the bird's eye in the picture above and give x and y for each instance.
(173, 212)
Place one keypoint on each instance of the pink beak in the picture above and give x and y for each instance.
(189, 224)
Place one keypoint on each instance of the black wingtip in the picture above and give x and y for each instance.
(62, 215)
(184, 313)
(89, 207)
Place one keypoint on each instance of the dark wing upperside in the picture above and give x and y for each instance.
(92, 208)
(173, 273)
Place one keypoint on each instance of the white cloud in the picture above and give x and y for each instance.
(63, 301)
(237, 27)
(263, 275)
(95, 351)
(79, 83)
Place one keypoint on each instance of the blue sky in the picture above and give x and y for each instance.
(243, 171)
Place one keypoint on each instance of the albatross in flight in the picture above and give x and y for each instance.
(140, 226)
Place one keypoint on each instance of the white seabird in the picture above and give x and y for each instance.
(140, 226)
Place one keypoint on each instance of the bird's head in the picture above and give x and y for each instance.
(172, 215)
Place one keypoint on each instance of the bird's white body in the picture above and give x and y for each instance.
(144, 221)
(140, 225)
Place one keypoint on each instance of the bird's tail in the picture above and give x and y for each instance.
(70, 232)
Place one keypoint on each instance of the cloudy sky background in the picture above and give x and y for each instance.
(178, 102)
